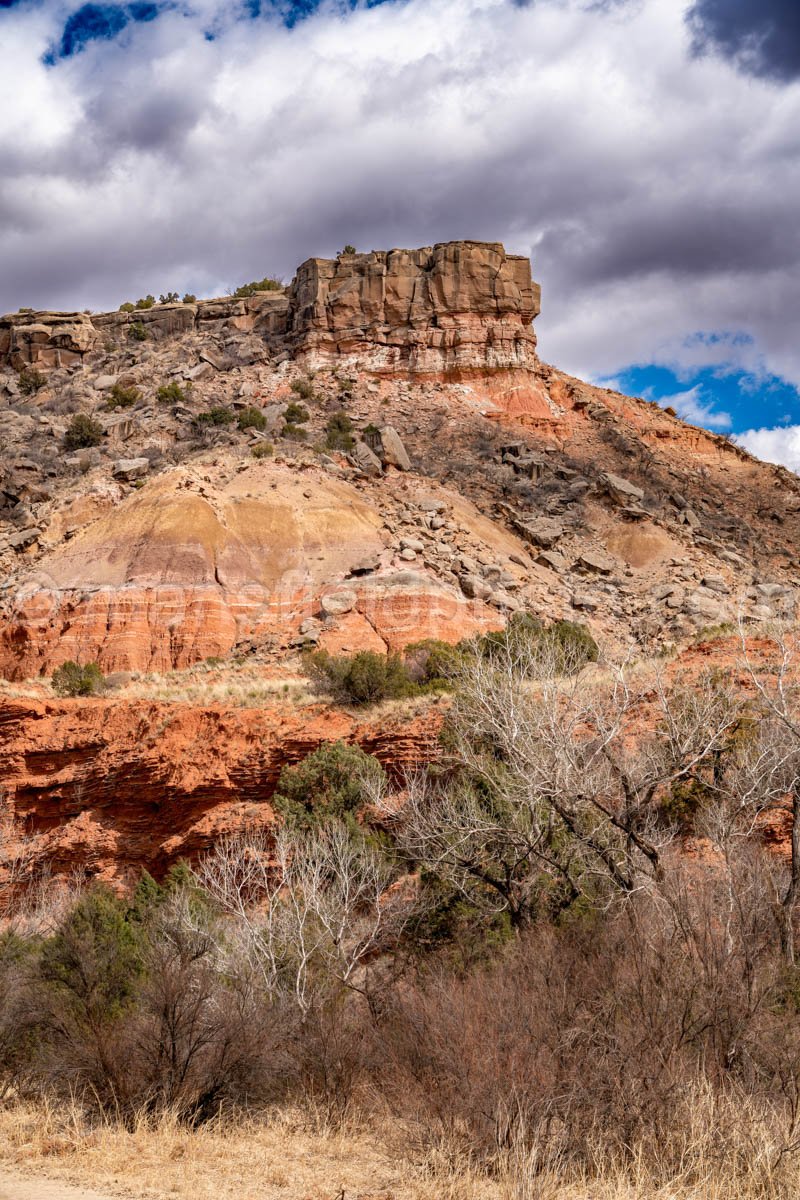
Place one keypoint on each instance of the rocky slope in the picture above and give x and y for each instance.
(476, 480)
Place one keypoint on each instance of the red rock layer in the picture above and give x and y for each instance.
(110, 787)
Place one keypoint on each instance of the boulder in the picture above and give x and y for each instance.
(475, 588)
(621, 491)
(362, 457)
(595, 560)
(129, 469)
(336, 604)
(541, 531)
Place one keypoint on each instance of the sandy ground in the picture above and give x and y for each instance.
(14, 1187)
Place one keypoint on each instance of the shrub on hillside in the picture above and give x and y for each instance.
(295, 414)
(252, 418)
(172, 393)
(31, 381)
(364, 678)
(569, 644)
(168, 298)
(433, 663)
(189, 298)
(137, 332)
(215, 417)
(303, 388)
(83, 431)
(330, 783)
(123, 397)
(263, 450)
(70, 679)
(339, 434)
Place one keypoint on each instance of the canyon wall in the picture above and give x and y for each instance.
(450, 310)
(110, 786)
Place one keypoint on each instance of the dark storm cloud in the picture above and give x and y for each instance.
(762, 36)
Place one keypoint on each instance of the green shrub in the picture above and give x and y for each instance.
(570, 643)
(263, 450)
(252, 418)
(147, 302)
(168, 298)
(94, 960)
(295, 414)
(433, 663)
(328, 784)
(365, 678)
(339, 433)
(123, 397)
(83, 431)
(172, 393)
(30, 381)
(137, 332)
(258, 285)
(294, 433)
(303, 388)
(127, 307)
(348, 250)
(215, 416)
(190, 298)
(70, 679)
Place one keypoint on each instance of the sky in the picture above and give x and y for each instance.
(644, 153)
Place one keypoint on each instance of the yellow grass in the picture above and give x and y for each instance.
(291, 1156)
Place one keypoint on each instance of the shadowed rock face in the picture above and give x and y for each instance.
(452, 310)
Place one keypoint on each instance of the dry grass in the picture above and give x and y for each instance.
(242, 685)
(292, 1156)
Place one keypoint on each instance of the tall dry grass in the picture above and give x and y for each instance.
(295, 1155)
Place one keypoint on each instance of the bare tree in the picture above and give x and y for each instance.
(308, 908)
(777, 690)
(555, 777)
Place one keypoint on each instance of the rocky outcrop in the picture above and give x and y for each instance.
(46, 339)
(184, 570)
(111, 786)
(454, 310)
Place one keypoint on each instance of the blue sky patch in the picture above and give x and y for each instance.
(294, 11)
(724, 400)
(98, 22)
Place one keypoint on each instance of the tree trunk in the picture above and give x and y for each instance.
(792, 892)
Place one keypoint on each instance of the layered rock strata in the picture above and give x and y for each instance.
(451, 310)
(108, 787)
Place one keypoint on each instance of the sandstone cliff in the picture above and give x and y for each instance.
(453, 309)
(412, 470)
(110, 787)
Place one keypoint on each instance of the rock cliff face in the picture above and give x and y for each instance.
(110, 787)
(453, 310)
(450, 311)
(195, 567)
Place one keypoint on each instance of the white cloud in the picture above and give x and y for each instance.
(774, 445)
(691, 407)
(656, 201)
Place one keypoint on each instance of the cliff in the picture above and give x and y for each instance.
(452, 310)
(110, 786)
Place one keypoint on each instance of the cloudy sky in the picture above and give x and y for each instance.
(645, 153)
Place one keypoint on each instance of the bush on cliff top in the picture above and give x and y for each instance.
(70, 679)
(258, 285)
